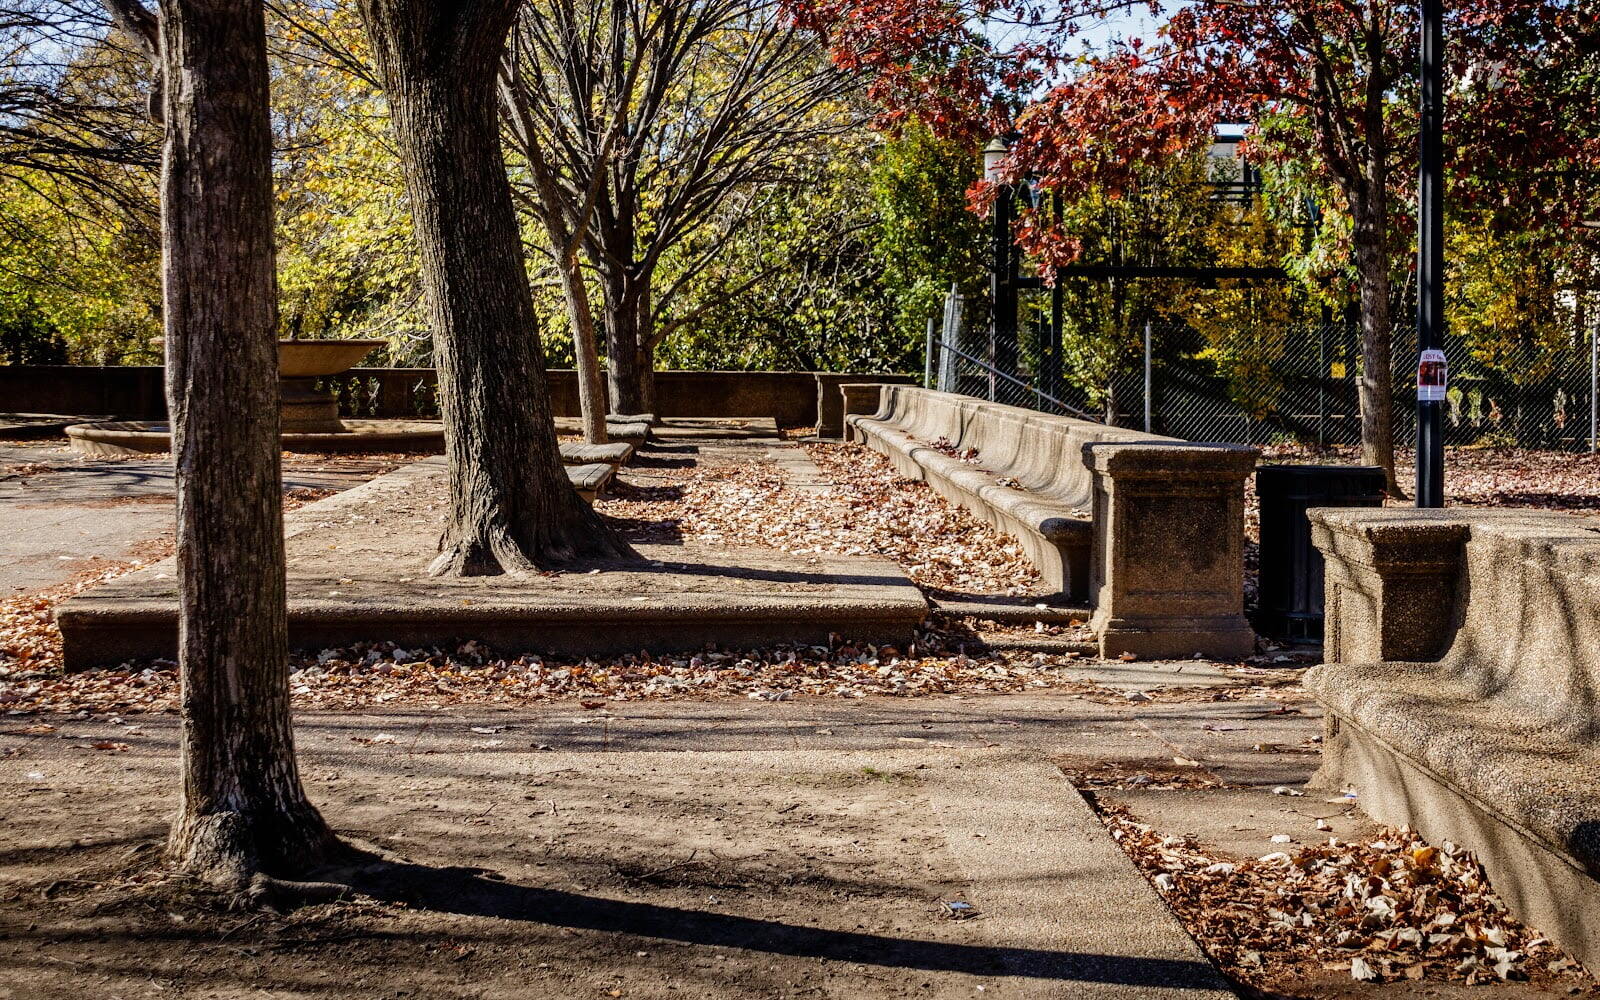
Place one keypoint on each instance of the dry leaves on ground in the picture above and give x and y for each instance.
(1386, 909)
(869, 510)
(1484, 477)
(379, 673)
(940, 545)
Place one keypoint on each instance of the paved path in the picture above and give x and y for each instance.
(63, 513)
(782, 849)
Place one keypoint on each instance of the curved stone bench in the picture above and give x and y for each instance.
(1149, 528)
(1461, 693)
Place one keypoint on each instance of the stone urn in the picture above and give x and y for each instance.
(307, 409)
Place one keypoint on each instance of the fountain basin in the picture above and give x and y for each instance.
(320, 358)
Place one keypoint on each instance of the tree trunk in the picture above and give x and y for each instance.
(243, 810)
(586, 353)
(1376, 387)
(647, 380)
(512, 508)
(564, 238)
(622, 345)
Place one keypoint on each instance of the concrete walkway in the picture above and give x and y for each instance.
(723, 849)
(63, 512)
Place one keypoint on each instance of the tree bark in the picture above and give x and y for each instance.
(621, 312)
(243, 810)
(1376, 387)
(586, 352)
(512, 509)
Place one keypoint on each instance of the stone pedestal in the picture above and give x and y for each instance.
(830, 411)
(1167, 565)
(1391, 582)
(858, 397)
(306, 409)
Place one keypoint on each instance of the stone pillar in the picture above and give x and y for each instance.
(1167, 565)
(859, 398)
(1391, 585)
(830, 417)
(830, 411)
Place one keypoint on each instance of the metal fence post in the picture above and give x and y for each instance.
(950, 339)
(1147, 421)
(1594, 383)
(931, 345)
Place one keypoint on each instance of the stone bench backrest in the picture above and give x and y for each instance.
(1042, 452)
(1507, 601)
(1529, 624)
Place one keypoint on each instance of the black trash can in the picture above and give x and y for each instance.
(1290, 566)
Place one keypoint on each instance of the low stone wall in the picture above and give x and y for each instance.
(1462, 692)
(793, 399)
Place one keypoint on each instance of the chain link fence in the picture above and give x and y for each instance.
(1299, 387)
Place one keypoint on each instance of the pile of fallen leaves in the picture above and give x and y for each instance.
(1484, 477)
(372, 673)
(1387, 909)
(869, 510)
(940, 545)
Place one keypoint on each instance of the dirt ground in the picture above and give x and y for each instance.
(727, 848)
(732, 851)
(570, 843)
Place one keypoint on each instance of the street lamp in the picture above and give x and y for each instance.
(993, 155)
(1002, 266)
(1431, 369)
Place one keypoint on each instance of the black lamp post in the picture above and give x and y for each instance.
(1431, 370)
(1003, 267)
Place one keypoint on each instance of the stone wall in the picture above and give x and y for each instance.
(135, 393)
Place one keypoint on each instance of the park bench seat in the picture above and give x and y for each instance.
(1463, 667)
(1028, 478)
(1150, 530)
(578, 453)
(590, 479)
(631, 429)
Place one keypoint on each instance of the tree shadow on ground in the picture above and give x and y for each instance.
(467, 892)
(619, 489)
(659, 531)
(668, 461)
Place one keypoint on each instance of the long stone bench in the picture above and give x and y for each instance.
(1463, 669)
(633, 429)
(1150, 529)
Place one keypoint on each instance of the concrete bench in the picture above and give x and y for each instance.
(1463, 669)
(613, 454)
(1150, 529)
(589, 480)
(830, 413)
(631, 430)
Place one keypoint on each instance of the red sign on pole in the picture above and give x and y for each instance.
(1433, 376)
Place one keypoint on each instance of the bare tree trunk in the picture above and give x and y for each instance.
(622, 345)
(564, 224)
(586, 353)
(512, 508)
(647, 380)
(1376, 388)
(1368, 196)
(243, 811)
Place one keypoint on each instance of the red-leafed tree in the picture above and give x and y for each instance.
(1327, 83)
